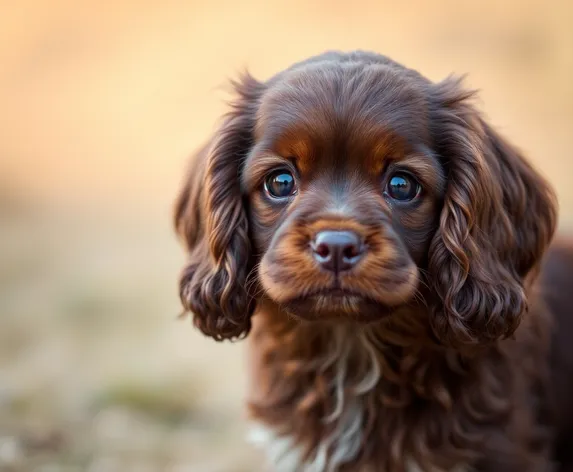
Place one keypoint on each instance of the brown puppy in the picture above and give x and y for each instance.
(383, 244)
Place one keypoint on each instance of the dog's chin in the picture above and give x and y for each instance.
(337, 305)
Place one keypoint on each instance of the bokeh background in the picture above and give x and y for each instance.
(101, 103)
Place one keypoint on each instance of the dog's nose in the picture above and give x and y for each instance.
(337, 251)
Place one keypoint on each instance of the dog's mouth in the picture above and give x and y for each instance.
(336, 303)
(334, 293)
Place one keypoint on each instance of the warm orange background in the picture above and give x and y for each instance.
(100, 105)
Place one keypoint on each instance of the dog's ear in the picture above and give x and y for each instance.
(211, 218)
(498, 217)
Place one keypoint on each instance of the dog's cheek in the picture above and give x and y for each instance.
(287, 269)
(416, 226)
(264, 220)
(284, 274)
(389, 273)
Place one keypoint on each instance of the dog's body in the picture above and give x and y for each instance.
(527, 389)
(386, 246)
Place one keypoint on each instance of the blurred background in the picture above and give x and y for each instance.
(101, 103)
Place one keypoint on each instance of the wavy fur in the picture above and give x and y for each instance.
(438, 352)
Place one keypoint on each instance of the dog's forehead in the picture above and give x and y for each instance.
(361, 109)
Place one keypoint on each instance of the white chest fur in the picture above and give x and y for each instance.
(343, 444)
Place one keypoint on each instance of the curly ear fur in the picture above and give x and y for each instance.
(211, 218)
(498, 217)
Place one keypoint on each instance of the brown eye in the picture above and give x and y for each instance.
(403, 187)
(280, 184)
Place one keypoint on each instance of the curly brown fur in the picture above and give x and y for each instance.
(438, 347)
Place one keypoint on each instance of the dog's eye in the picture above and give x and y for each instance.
(403, 187)
(280, 184)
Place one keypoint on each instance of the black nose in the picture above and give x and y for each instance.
(337, 251)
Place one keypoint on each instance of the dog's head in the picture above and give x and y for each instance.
(350, 187)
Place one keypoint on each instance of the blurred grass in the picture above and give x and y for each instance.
(170, 403)
(96, 371)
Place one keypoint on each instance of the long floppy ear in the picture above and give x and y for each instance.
(211, 219)
(498, 217)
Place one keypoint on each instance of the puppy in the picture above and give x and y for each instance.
(384, 247)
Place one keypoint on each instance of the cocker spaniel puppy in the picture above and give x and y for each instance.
(384, 247)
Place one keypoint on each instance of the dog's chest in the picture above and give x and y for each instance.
(350, 383)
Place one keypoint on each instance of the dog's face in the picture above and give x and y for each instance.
(350, 187)
(344, 191)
